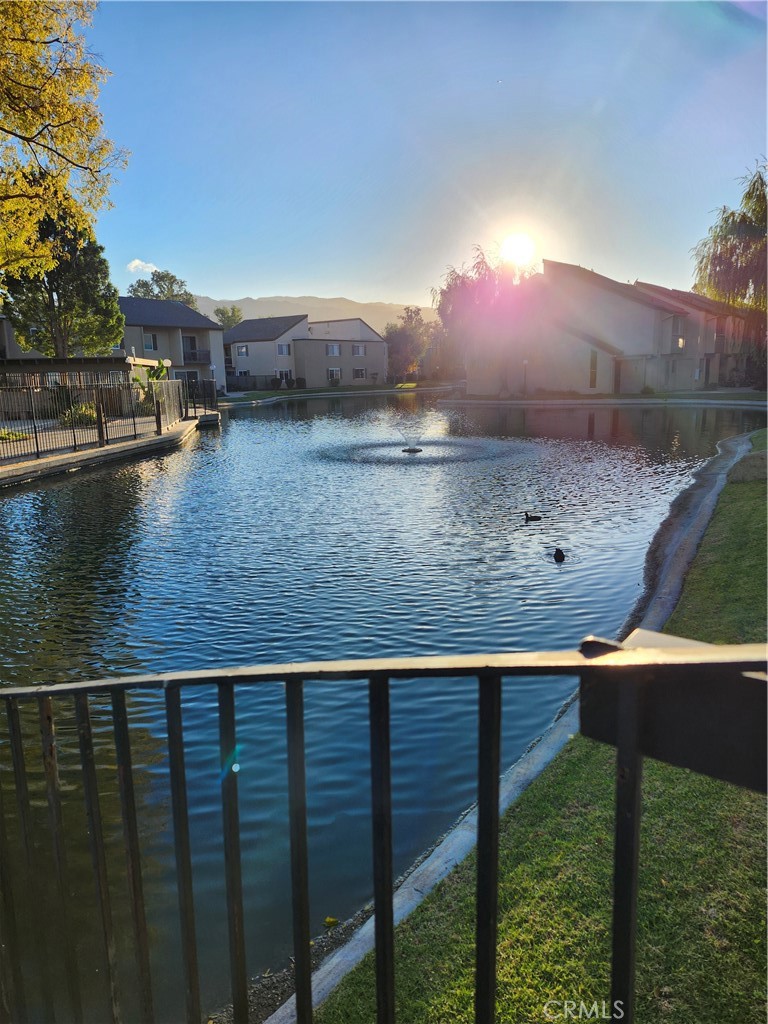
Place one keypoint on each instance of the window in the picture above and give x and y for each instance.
(358, 350)
(189, 341)
(150, 343)
(241, 350)
(334, 373)
(358, 373)
(681, 342)
(284, 374)
(593, 369)
(283, 349)
(242, 373)
(333, 350)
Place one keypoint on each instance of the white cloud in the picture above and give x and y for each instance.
(141, 267)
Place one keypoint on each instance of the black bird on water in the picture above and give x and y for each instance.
(532, 519)
(559, 555)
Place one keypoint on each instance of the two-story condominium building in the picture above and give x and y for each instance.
(289, 348)
(572, 330)
(163, 329)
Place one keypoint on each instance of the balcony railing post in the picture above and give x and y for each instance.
(489, 766)
(629, 773)
(230, 767)
(297, 810)
(183, 851)
(132, 853)
(381, 800)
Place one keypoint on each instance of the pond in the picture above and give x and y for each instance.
(302, 531)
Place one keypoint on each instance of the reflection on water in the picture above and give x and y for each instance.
(302, 532)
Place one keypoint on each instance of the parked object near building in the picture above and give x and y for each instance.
(160, 329)
(290, 348)
(572, 330)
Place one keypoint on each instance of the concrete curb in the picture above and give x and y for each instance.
(674, 548)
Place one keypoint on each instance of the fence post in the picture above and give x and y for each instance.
(101, 422)
(158, 411)
(31, 393)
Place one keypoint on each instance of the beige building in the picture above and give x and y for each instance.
(573, 331)
(161, 329)
(289, 348)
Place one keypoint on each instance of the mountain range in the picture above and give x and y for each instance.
(376, 314)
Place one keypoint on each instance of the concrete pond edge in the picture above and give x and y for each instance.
(669, 557)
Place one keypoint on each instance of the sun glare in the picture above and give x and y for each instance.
(518, 249)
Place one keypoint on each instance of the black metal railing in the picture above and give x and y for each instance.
(38, 421)
(197, 355)
(701, 708)
(200, 396)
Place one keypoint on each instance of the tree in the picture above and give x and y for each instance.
(731, 264)
(72, 306)
(407, 341)
(55, 160)
(228, 318)
(162, 284)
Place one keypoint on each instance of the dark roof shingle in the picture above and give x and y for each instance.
(162, 313)
(265, 328)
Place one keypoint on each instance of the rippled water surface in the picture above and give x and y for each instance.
(303, 532)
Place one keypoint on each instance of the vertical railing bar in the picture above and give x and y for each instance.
(183, 852)
(230, 767)
(489, 766)
(297, 804)
(50, 768)
(98, 852)
(132, 853)
(381, 799)
(629, 775)
(25, 823)
(12, 952)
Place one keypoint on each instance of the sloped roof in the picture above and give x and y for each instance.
(266, 328)
(627, 291)
(162, 313)
(693, 299)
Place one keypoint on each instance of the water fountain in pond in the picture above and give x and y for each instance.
(411, 429)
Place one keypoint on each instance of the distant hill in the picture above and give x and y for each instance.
(376, 314)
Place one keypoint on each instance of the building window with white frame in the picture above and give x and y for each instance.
(358, 373)
(241, 350)
(284, 374)
(333, 349)
(358, 350)
(334, 373)
(150, 343)
(283, 348)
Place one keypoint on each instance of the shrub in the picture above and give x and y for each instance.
(647, 390)
(275, 383)
(334, 382)
(83, 414)
(301, 382)
(290, 383)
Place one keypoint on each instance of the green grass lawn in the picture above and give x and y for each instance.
(701, 932)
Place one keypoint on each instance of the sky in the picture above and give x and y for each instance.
(361, 149)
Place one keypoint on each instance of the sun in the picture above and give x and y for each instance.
(519, 249)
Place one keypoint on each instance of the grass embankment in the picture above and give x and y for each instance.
(701, 933)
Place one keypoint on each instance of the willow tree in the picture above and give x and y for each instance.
(55, 160)
(731, 262)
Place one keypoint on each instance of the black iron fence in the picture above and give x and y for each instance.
(38, 421)
(702, 708)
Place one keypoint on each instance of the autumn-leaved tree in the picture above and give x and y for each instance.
(228, 318)
(162, 284)
(73, 306)
(731, 264)
(55, 160)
